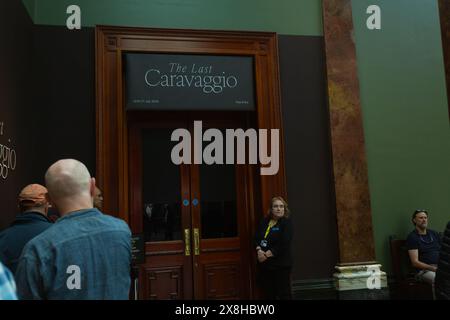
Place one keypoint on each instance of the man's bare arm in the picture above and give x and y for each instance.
(414, 257)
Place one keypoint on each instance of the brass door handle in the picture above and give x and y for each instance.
(187, 242)
(196, 242)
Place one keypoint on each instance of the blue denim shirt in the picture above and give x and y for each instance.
(84, 255)
(7, 285)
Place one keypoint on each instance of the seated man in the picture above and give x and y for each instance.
(423, 247)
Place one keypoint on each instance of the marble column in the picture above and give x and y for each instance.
(356, 269)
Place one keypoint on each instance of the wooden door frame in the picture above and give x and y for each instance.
(111, 119)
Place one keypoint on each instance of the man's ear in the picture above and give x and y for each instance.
(49, 203)
(48, 199)
(92, 187)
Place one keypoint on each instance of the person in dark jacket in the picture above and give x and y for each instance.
(32, 220)
(442, 280)
(273, 246)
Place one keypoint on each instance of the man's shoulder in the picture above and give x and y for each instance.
(91, 219)
(433, 231)
(115, 222)
(58, 234)
(38, 226)
(30, 222)
(412, 240)
(4, 233)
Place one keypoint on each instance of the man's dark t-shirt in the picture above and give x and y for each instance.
(428, 245)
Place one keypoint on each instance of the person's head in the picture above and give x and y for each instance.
(98, 199)
(34, 197)
(278, 208)
(70, 186)
(420, 219)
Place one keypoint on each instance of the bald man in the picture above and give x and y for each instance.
(86, 254)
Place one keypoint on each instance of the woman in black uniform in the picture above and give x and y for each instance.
(273, 246)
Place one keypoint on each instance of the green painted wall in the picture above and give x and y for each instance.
(30, 5)
(295, 17)
(405, 116)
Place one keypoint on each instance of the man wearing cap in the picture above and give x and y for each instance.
(86, 254)
(32, 220)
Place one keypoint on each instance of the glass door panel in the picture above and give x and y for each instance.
(218, 201)
(161, 187)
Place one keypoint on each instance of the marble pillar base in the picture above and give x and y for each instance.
(361, 281)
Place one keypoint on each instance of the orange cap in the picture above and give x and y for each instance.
(33, 195)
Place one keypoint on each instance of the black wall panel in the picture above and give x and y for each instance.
(308, 155)
(16, 112)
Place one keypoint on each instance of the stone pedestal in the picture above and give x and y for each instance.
(361, 281)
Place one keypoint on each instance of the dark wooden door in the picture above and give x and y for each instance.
(194, 217)
(158, 189)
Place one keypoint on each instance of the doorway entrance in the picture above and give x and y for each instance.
(198, 220)
(193, 217)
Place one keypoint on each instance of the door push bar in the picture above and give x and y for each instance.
(196, 242)
(187, 242)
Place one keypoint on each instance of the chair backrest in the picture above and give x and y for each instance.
(401, 264)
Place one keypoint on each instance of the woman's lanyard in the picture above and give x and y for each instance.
(269, 226)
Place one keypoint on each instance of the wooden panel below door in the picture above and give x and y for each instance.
(221, 275)
(164, 283)
(222, 280)
(166, 278)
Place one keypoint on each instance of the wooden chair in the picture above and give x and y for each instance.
(406, 287)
